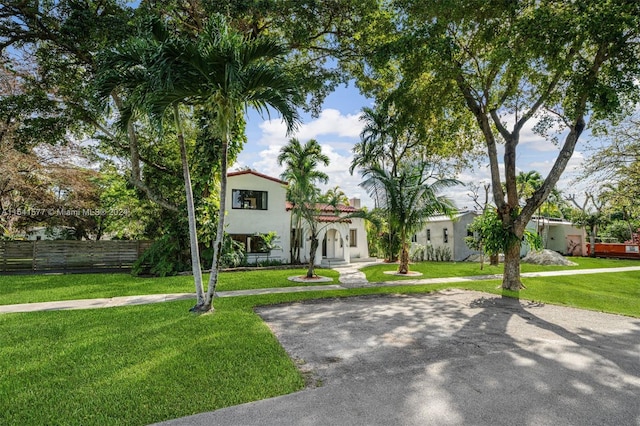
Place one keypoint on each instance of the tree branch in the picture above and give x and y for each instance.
(135, 177)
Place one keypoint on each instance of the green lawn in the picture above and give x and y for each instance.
(136, 365)
(617, 293)
(141, 364)
(40, 288)
(376, 273)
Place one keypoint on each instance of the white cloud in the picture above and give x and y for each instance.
(336, 133)
(332, 122)
(329, 122)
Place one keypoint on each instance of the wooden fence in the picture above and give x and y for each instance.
(49, 256)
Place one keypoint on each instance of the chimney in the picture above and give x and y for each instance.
(354, 202)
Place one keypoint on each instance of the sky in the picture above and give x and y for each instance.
(338, 128)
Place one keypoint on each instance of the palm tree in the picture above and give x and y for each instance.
(301, 172)
(554, 204)
(376, 135)
(337, 194)
(133, 68)
(229, 72)
(527, 183)
(386, 141)
(226, 72)
(379, 144)
(410, 200)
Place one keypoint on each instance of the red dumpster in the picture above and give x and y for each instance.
(617, 250)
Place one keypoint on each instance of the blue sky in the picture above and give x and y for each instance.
(338, 128)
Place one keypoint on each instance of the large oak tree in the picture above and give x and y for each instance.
(551, 65)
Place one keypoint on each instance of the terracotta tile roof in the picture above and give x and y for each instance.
(324, 218)
(253, 172)
(340, 207)
(328, 208)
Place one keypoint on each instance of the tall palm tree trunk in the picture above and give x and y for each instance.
(404, 255)
(191, 211)
(296, 231)
(299, 239)
(217, 245)
(311, 271)
(293, 237)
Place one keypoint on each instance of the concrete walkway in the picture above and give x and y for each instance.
(446, 280)
(350, 277)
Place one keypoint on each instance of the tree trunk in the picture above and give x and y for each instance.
(292, 241)
(494, 259)
(404, 259)
(207, 306)
(311, 271)
(191, 212)
(511, 277)
(298, 242)
(135, 176)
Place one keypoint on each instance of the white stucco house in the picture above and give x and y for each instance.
(448, 233)
(256, 204)
(557, 234)
(560, 235)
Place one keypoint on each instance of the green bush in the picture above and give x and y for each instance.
(167, 256)
(617, 231)
(417, 253)
(389, 245)
(438, 254)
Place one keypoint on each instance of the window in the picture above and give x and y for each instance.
(445, 235)
(252, 243)
(248, 199)
(353, 238)
(428, 235)
(414, 238)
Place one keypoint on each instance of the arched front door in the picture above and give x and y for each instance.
(333, 245)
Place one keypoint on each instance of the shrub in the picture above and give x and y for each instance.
(417, 253)
(437, 254)
(269, 262)
(166, 256)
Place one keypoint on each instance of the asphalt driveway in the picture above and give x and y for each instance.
(450, 358)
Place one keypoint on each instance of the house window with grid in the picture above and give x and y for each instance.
(445, 235)
(353, 238)
(252, 243)
(249, 199)
(428, 235)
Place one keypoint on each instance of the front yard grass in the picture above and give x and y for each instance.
(376, 273)
(141, 364)
(136, 365)
(51, 287)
